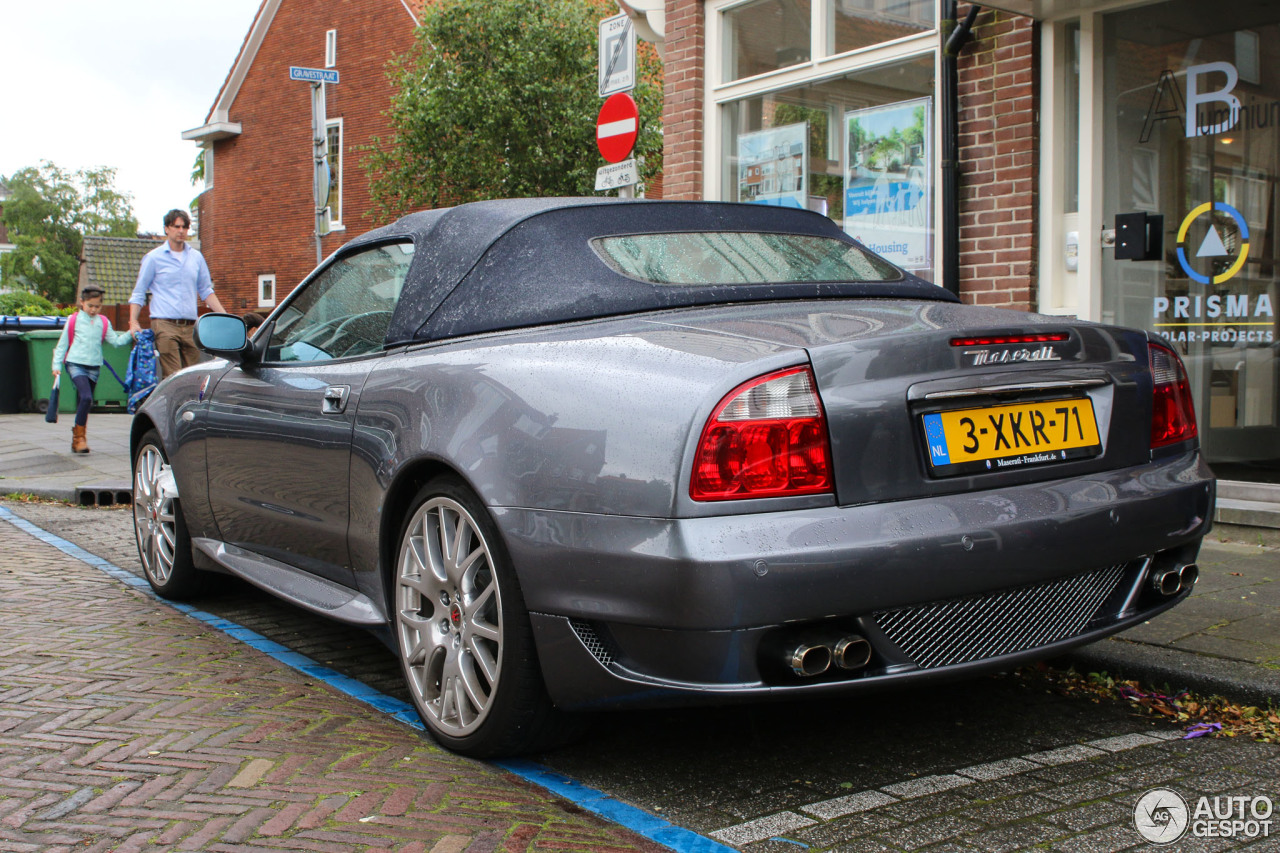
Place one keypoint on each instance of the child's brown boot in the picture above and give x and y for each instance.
(79, 444)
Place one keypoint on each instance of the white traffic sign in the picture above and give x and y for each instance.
(617, 55)
(617, 175)
(313, 75)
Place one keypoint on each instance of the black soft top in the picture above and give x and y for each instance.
(507, 264)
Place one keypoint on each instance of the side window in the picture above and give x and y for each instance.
(345, 310)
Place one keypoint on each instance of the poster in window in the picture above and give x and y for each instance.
(773, 166)
(889, 180)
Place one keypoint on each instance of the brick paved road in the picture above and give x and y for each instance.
(125, 725)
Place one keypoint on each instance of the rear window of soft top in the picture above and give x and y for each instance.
(740, 257)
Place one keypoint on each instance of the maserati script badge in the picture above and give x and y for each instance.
(1011, 356)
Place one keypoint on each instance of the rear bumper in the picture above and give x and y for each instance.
(683, 604)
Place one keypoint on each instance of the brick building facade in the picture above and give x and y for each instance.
(256, 215)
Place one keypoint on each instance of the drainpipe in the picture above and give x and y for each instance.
(954, 40)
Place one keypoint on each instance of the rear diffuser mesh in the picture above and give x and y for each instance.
(987, 626)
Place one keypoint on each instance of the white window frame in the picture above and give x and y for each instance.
(336, 224)
(823, 65)
(1079, 293)
(330, 48)
(263, 281)
(208, 166)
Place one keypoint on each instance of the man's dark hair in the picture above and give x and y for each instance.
(252, 320)
(174, 215)
(91, 290)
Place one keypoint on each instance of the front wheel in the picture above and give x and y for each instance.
(462, 631)
(164, 546)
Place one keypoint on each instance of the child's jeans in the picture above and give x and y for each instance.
(85, 379)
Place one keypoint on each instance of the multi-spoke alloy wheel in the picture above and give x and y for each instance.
(449, 617)
(463, 633)
(164, 548)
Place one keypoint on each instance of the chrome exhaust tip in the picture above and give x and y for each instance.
(852, 652)
(1188, 575)
(1166, 581)
(809, 659)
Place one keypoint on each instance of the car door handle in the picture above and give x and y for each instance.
(335, 399)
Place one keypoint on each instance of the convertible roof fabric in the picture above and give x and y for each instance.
(507, 264)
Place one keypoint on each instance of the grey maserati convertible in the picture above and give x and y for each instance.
(573, 454)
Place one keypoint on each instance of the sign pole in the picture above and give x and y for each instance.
(320, 173)
(320, 152)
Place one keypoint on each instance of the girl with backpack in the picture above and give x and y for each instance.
(81, 347)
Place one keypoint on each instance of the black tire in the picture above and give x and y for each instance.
(164, 546)
(462, 631)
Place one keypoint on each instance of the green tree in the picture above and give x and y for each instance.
(48, 213)
(499, 100)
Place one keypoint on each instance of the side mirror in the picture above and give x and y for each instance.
(222, 335)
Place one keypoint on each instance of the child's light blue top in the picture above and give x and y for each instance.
(86, 349)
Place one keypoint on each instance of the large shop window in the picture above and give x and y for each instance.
(765, 35)
(862, 23)
(858, 148)
(1192, 135)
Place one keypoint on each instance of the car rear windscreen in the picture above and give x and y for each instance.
(740, 257)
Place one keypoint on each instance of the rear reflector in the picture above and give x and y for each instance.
(995, 340)
(767, 438)
(1173, 417)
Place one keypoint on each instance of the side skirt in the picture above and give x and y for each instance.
(294, 585)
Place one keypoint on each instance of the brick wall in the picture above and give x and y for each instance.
(999, 162)
(258, 217)
(682, 110)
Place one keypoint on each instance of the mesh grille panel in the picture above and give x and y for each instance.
(986, 626)
(599, 649)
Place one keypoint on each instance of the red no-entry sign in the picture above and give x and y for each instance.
(617, 127)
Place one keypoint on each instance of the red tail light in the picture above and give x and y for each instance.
(1173, 417)
(767, 438)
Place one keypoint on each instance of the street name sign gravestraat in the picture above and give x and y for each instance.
(617, 127)
(616, 175)
(616, 54)
(313, 75)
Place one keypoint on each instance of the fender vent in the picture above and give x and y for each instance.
(987, 626)
(601, 649)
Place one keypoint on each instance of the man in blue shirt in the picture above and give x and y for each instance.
(177, 278)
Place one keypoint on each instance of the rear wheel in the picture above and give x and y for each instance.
(164, 547)
(462, 631)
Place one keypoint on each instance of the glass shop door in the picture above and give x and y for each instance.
(1191, 123)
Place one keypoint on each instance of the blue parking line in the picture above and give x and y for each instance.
(637, 820)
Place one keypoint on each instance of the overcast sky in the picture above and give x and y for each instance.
(91, 83)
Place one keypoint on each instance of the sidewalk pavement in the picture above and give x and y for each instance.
(36, 458)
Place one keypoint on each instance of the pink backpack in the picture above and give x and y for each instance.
(71, 328)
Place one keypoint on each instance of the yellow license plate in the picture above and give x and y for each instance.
(1007, 437)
